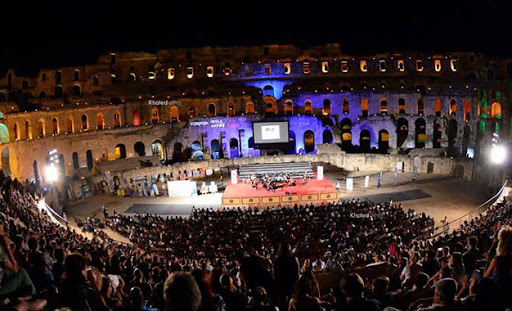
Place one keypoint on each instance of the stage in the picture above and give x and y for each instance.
(243, 194)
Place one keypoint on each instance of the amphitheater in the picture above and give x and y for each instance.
(157, 151)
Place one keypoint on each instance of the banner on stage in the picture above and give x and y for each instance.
(350, 184)
(367, 182)
(234, 177)
(320, 173)
(181, 188)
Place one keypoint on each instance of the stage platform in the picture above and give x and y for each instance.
(243, 194)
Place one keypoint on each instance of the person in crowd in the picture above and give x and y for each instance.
(411, 270)
(353, 287)
(286, 273)
(181, 293)
(304, 297)
(444, 297)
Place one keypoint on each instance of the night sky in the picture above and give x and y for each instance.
(61, 33)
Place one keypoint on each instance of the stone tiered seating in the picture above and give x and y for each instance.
(294, 169)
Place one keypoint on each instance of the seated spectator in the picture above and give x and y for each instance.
(444, 295)
(352, 286)
(411, 270)
(181, 293)
(303, 297)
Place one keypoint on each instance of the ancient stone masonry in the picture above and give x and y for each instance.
(199, 103)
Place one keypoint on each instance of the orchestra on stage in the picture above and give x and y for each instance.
(272, 182)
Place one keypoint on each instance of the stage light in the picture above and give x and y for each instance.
(498, 154)
(52, 174)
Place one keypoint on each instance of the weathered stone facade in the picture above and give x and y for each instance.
(131, 104)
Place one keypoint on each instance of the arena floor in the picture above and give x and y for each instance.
(436, 195)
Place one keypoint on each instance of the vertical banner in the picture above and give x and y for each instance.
(320, 173)
(350, 184)
(367, 182)
(234, 177)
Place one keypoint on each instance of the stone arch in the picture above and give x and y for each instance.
(421, 107)
(175, 114)
(28, 130)
(77, 90)
(453, 107)
(346, 106)
(383, 140)
(62, 165)
(85, 122)
(402, 131)
(496, 110)
(233, 148)
(438, 107)
(76, 163)
(308, 108)
(70, 125)
(438, 134)
(327, 137)
(155, 116)
(117, 119)
(249, 107)
(158, 149)
(177, 154)
(364, 107)
(268, 90)
(6, 163)
(212, 110)
(420, 133)
(326, 110)
(346, 134)
(139, 149)
(136, 117)
(365, 140)
(452, 135)
(288, 107)
(16, 130)
(90, 160)
(120, 151)
(100, 121)
(383, 106)
(55, 126)
(231, 110)
(215, 148)
(467, 110)
(58, 92)
(271, 107)
(401, 106)
(309, 141)
(41, 127)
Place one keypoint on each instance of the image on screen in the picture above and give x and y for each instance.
(270, 132)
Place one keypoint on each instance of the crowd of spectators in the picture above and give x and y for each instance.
(273, 259)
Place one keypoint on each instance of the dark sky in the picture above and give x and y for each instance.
(59, 33)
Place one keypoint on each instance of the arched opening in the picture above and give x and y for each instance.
(76, 75)
(16, 131)
(136, 118)
(383, 140)
(438, 134)
(90, 161)
(467, 110)
(196, 151)
(85, 122)
(55, 126)
(58, 92)
(309, 141)
(452, 136)
(215, 148)
(131, 77)
(438, 106)
(327, 137)
(104, 154)
(70, 125)
(233, 147)
(139, 149)
(420, 133)
(231, 110)
(401, 106)
(453, 107)
(117, 119)
(496, 110)
(250, 142)
(421, 107)
(212, 110)
(249, 107)
(177, 154)
(76, 90)
(154, 116)
(157, 148)
(62, 165)
(308, 108)
(37, 179)
(41, 128)
(402, 132)
(383, 106)
(120, 151)
(100, 122)
(268, 90)
(326, 107)
(95, 80)
(346, 134)
(465, 139)
(76, 164)
(364, 140)
(6, 165)
(292, 143)
(28, 130)
(271, 108)
(346, 106)
(288, 108)
(364, 107)
(175, 114)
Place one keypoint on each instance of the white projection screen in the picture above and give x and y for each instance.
(275, 132)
